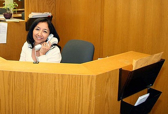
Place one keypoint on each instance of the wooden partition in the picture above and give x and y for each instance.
(36, 6)
(16, 36)
(53, 88)
(138, 25)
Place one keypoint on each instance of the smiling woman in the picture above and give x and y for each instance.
(38, 34)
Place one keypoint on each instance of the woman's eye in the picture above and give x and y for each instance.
(37, 29)
(45, 31)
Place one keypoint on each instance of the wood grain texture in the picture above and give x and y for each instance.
(107, 87)
(138, 25)
(37, 6)
(79, 20)
(40, 93)
(60, 88)
(16, 36)
(114, 27)
(134, 25)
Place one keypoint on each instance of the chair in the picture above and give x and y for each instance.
(77, 51)
(2, 10)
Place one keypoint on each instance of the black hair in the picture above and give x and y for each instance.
(51, 27)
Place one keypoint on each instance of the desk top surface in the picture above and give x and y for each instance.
(90, 68)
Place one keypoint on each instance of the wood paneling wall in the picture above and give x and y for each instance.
(114, 26)
(43, 6)
(79, 20)
(16, 36)
(138, 25)
(135, 25)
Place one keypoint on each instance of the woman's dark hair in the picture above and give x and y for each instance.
(53, 31)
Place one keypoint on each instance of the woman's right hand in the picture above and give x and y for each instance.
(45, 47)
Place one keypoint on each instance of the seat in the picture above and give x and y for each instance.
(77, 51)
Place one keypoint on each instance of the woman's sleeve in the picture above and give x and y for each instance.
(52, 56)
(23, 52)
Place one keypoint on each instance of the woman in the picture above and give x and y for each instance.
(38, 34)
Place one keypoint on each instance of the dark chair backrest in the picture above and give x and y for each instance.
(2, 10)
(77, 51)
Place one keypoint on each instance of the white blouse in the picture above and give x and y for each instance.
(52, 56)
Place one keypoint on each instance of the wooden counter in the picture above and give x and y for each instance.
(61, 88)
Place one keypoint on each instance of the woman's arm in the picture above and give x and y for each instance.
(23, 52)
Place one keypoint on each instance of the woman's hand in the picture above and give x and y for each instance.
(45, 47)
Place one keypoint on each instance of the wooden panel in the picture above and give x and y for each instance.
(41, 67)
(107, 90)
(113, 62)
(134, 25)
(44, 6)
(16, 36)
(34, 93)
(138, 25)
(94, 67)
(79, 19)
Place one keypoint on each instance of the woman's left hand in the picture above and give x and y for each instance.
(45, 47)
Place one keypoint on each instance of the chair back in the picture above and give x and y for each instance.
(77, 51)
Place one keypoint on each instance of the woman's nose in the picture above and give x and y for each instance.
(40, 33)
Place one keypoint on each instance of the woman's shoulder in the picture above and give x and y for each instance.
(27, 45)
(54, 50)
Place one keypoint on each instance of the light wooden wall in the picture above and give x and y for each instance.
(16, 36)
(138, 25)
(114, 26)
(43, 6)
(79, 19)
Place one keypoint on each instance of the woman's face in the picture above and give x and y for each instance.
(41, 33)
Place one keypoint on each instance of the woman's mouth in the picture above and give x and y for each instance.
(39, 38)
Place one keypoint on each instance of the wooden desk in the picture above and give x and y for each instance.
(60, 88)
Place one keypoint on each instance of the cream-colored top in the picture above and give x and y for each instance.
(52, 56)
